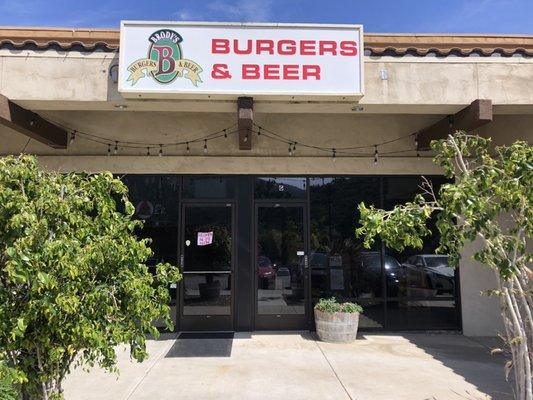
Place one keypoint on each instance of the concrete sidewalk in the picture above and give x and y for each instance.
(296, 366)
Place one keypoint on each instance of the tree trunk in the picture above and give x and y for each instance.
(516, 313)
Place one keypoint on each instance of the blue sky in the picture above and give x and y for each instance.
(456, 16)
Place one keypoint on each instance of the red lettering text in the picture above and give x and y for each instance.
(250, 71)
(327, 46)
(287, 47)
(311, 71)
(220, 46)
(290, 72)
(348, 48)
(307, 47)
(265, 46)
(248, 49)
(271, 71)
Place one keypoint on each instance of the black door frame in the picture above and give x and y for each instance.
(286, 321)
(213, 323)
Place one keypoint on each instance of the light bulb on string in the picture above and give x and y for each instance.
(376, 154)
(334, 155)
(205, 146)
(148, 151)
(115, 151)
(188, 148)
(294, 147)
(108, 149)
(290, 149)
(245, 139)
(225, 134)
(259, 131)
(160, 150)
(72, 137)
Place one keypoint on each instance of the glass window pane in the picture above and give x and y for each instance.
(156, 202)
(208, 188)
(423, 274)
(280, 261)
(372, 316)
(208, 238)
(207, 294)
(340, 265)
(280, 188)
(422, 314)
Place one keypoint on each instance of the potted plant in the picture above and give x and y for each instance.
(337, 321)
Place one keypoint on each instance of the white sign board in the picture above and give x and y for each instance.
(171, 59)
(204, 238)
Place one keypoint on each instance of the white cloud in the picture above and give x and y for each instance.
(227, 10)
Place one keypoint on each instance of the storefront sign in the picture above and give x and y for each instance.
(204, 238)
(224, 60)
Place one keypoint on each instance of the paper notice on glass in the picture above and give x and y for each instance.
(336, 279)
(204, 238)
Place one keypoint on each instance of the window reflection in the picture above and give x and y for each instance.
(156, 202)
(424, 274)
(280, 261)
(208, 187)
(207, 262)
(280, 188)
(422, 314)
(207, 294)
(339, 264)
(419, 285)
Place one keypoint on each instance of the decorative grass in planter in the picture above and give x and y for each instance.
(337, 322)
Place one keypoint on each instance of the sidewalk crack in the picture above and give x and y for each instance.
(333, 370)
(149, 369)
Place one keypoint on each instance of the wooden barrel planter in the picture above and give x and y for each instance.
(338, 326)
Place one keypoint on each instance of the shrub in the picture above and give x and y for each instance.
(9, 384)
(332, 305)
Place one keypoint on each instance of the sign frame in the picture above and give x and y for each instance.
(127, 92)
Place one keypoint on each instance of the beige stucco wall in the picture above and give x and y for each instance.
(76, 90)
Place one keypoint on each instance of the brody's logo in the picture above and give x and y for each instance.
(164, 62)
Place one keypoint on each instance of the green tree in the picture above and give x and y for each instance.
(490, 200)
(73, 279)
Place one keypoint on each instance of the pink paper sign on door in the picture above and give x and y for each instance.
(204, 238)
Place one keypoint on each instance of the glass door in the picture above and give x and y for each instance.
(207, 263)
(281, 266)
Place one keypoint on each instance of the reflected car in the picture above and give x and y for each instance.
(370, 264)
(265, 268)
(437, 273)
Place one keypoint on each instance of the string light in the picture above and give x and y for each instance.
(351, 151)
(108, 149)
(245, 137)
(450, 121)
(334, 155)
(72, 137)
